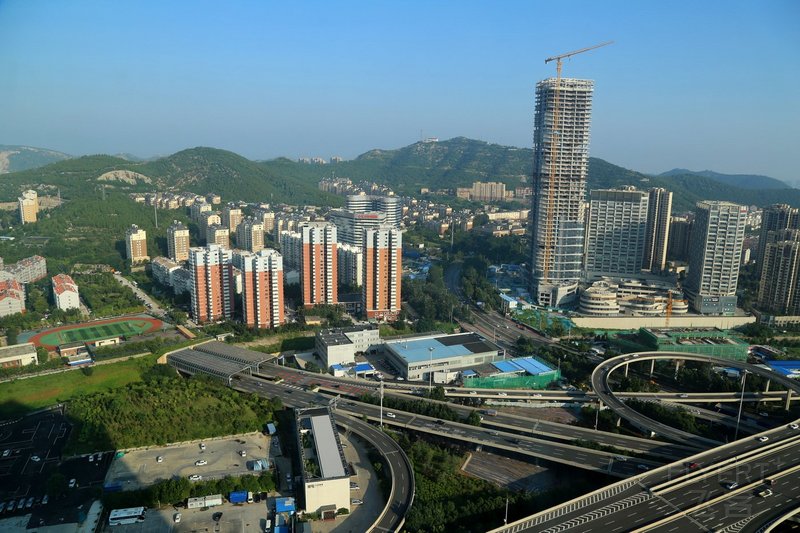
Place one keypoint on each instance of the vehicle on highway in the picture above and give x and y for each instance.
(200, 462)
(692, 466)
(763, 439)
(620, 458)
(195, 477)
(473, 392)
(441, 422)
(391, 415)
(684, 395)
(494, 433)
(502, 394)
(643, 468)
(765, 493)
(730, 485)
(537, 395)
(793, 426)
(356, 502)
(769, 482)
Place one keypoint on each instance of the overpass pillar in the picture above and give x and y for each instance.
(619, 421)
(788, 400)
(652, 367)
(626, 369)
(678, 365)
(766, 389)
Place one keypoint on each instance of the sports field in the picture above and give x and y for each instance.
(92, 331)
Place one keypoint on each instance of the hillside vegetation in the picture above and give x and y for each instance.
(15, 158)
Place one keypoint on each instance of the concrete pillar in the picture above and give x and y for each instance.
(619, 421)
(788, 400)
(626, 369)
(652, 367)
(766, 389)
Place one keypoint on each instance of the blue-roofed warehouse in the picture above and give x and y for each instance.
(415, 357)
(518, 373)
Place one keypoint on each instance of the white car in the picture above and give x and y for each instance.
(356, 502)
(793, 426)
(177, 518)
(91, 457)
(200, 462)
(35, 458)
(390, 415)
(243, 453)
(202, 446)
(195, 477)
(73, 483)
(160, 459)
(6, 453)
(473, 392)
(502, 394)
(763, 439)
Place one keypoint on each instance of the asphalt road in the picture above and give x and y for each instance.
(676, 498)
(402, 473)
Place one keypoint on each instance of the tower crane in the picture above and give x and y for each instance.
(555, 146)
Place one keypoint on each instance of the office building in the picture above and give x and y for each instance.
(714, 252)
(390, 206)
(211, 272)
(250, 235)
(218, 234)
(318, 270)
(351, 265)
(350, 226)
(178, 241)
(232, 217)
(680, 229)
(28, 207)
(65, 292)
(776, 217)
(383, 270)
(262, 287)
(136, 244)
(659, 212)
(560, 169)
(615, 233)
(339, 346)
(12, 297)
(779, 286)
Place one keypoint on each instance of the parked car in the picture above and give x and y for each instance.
(356, 502)
(177, 518)
(6, 453)
(45, 499)
(160, 459)
(195, 477)
(35, 458)
(73, 483)
(202, 446)
(200, 462)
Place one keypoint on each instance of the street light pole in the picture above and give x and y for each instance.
(741, 404)
(381, 403)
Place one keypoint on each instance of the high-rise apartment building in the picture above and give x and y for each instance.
(775, 218)
(250, 235)
(715, 250)
(232, 217)
(350, 226)
(218, 234)
(212, 291)
(659, 212)
(210, 218)
(616, 232)
(350, 264)
(291, 249)
(680, 229)
(178, 241)
(197, 209)
(560, 167)
(383, 270)
(136, 244)
(262, 287)
(28, 207)
(390, 206)
(779, 286)
(318, 270)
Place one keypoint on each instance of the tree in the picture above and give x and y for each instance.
(56, 485)
(474, 419)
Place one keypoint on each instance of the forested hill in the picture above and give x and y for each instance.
(744, 181)
(15, 158)
(447, 164)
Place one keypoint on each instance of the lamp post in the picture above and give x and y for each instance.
(430, 368)
(741, 404)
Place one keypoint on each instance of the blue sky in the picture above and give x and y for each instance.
(702, 85)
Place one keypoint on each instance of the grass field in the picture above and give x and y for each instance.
(123, 327)
(24, 395)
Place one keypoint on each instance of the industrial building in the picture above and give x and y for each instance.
(416, 357)
(517, 373)
(340, 345)
(705, 341)
(325, 472)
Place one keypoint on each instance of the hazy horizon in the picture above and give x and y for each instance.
(692, 86)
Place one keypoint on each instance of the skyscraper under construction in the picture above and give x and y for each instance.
(560, 168)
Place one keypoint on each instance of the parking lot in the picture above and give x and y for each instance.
(248, 517)
(140, 468)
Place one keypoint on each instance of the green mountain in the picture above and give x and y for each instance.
(15, 158)
(743, 181)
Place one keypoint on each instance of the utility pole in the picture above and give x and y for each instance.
(505, 520)
(381, 403)
(155, 209)
(741, 404)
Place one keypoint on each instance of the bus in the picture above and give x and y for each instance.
(131, 515)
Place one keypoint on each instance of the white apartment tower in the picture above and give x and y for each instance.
(715, 250)
(351, 264)
(178, 242)
(262, 287)
(560, 168)
(318, 270)
(615, 233)
(212, 284)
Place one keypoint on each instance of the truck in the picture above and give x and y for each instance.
(238, 496)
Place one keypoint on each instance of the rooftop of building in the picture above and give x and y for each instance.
(786, 368)
(441, 346)
(17, 350)
(528, 365)
(328, 450)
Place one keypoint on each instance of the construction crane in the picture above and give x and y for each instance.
(554, 156)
